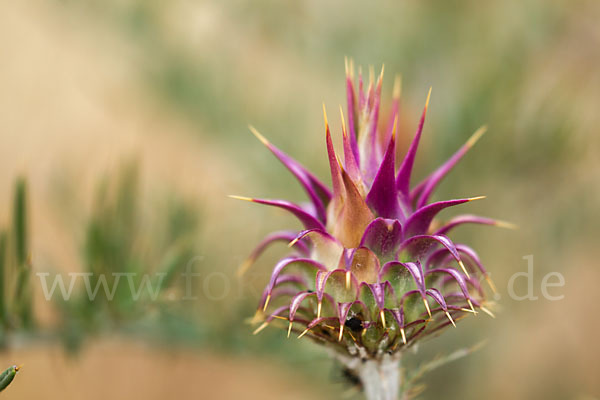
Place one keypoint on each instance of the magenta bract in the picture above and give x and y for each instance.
(371, 271)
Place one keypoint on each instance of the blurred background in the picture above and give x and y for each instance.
(123, 126)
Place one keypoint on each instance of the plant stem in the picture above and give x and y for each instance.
(380, 378)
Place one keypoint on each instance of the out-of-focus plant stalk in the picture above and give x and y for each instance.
(22, 293)
(2, 278)
(380, 378)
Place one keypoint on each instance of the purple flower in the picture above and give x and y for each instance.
(372, 271)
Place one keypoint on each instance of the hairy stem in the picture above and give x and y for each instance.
(380, 378)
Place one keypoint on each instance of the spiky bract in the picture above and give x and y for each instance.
(371, 272)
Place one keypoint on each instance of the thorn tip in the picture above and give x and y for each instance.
(258, 135)
(233, 196)
(260, 328)
(267, 302)
(348, 276)
(343, 121)
(471, 305)
(462, 266)
(293, 242)
(507, 225)
(325, 116)
(427, 306)
(476, 136)
(476, 198)
(428, 97)
(244, 267)
(491, 284)
(304, 333)
(488, 312)
(382, 315)
(397, 87)
(450, 318)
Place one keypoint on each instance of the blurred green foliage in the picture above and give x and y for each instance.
(125, 236)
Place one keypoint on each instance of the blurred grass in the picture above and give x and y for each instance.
(527, 69)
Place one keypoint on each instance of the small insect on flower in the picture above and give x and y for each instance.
(354, 324)
(371, 272)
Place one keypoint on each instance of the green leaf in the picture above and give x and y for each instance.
(7, 376)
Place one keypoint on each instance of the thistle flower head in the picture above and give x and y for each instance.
(371, 272)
